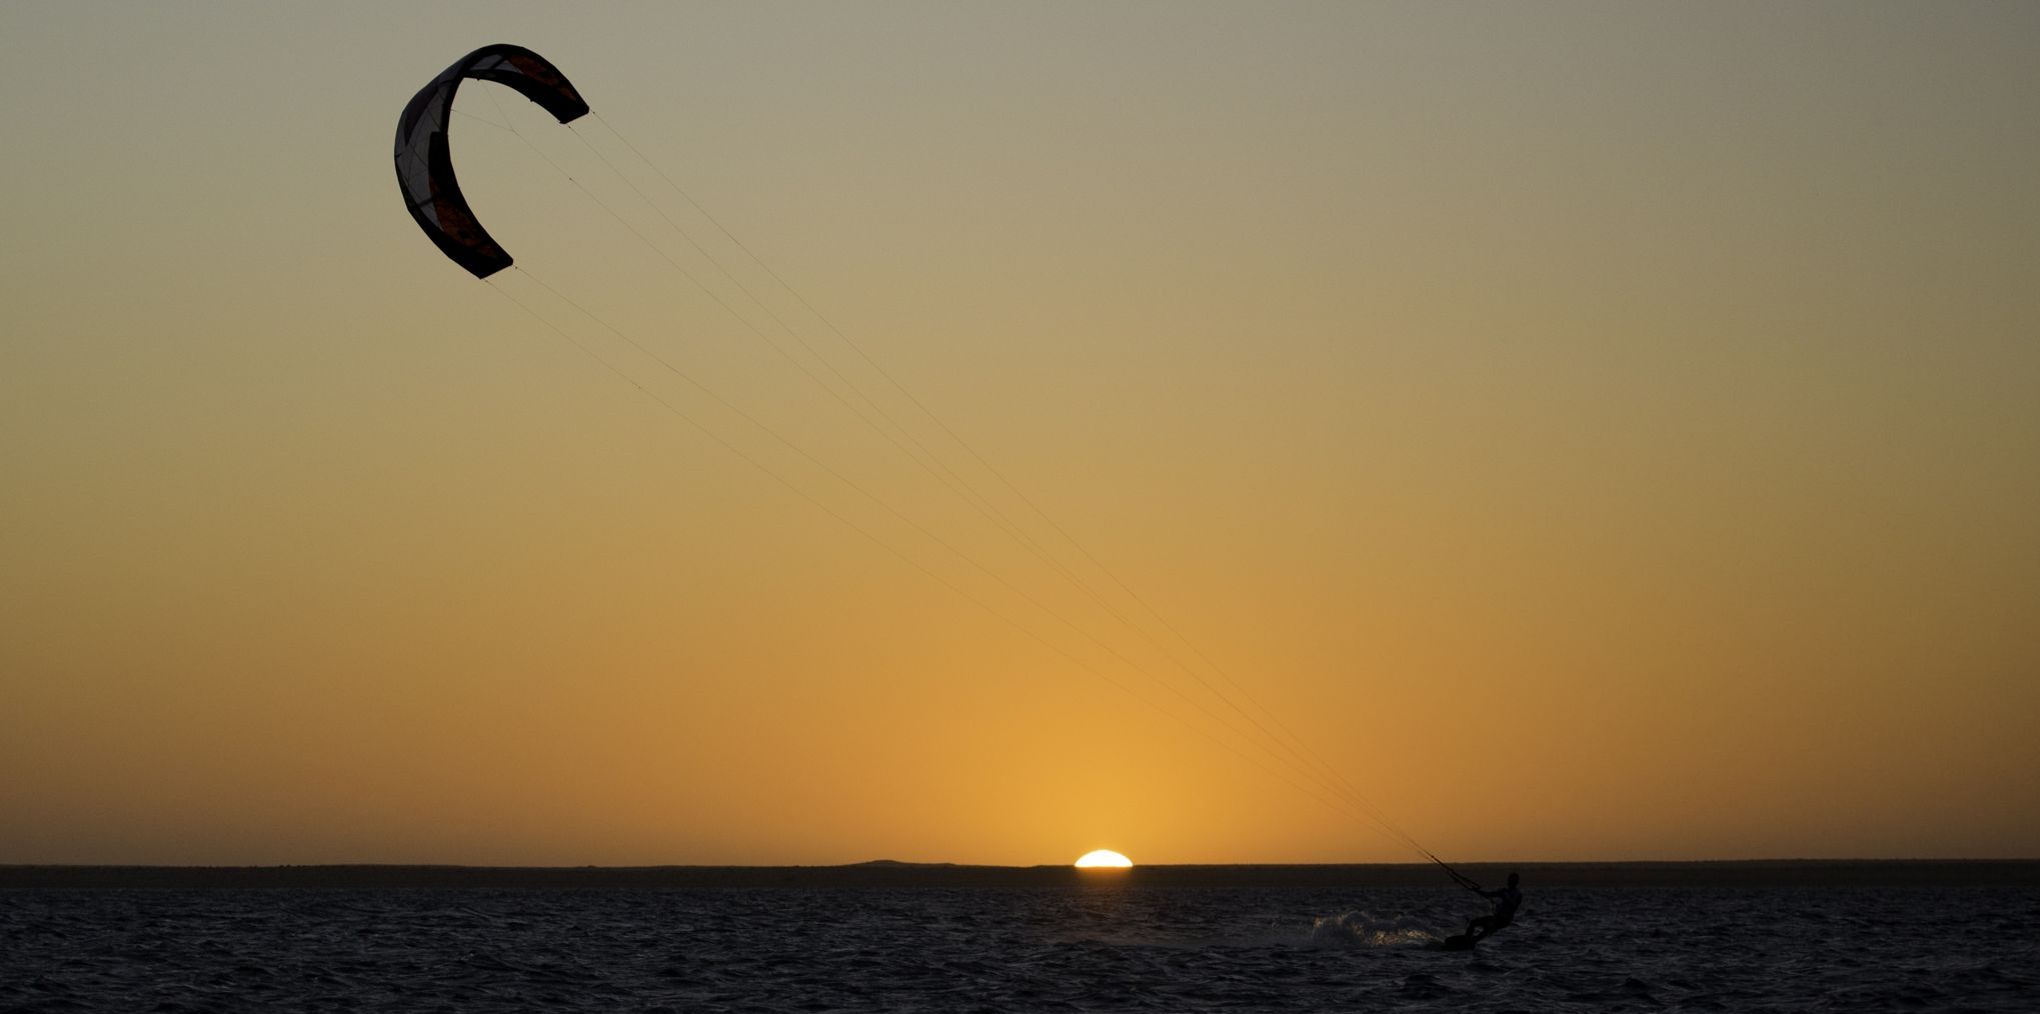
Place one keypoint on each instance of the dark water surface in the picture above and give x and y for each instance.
(1077, 948)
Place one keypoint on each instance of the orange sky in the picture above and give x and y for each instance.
(1599, 432)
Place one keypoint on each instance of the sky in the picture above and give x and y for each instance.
(1544, 432)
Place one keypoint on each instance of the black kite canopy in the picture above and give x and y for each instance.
(425, 168)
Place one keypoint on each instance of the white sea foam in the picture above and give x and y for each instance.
(1364, 929)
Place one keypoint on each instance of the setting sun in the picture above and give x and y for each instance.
(1103, 859)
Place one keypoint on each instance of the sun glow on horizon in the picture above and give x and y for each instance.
(1103, 859)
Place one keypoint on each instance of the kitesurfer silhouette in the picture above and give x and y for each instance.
(1507, 900)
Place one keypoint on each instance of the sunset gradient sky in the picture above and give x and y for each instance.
(1599, 431)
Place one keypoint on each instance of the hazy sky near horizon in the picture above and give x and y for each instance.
(1599, 431)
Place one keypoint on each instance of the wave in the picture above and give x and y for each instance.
(1364, 929)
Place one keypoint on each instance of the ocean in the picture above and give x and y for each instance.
(1074, 945)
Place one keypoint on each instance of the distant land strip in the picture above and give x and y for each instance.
(1778, 873)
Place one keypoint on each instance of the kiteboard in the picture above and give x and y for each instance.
(1458, 942)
